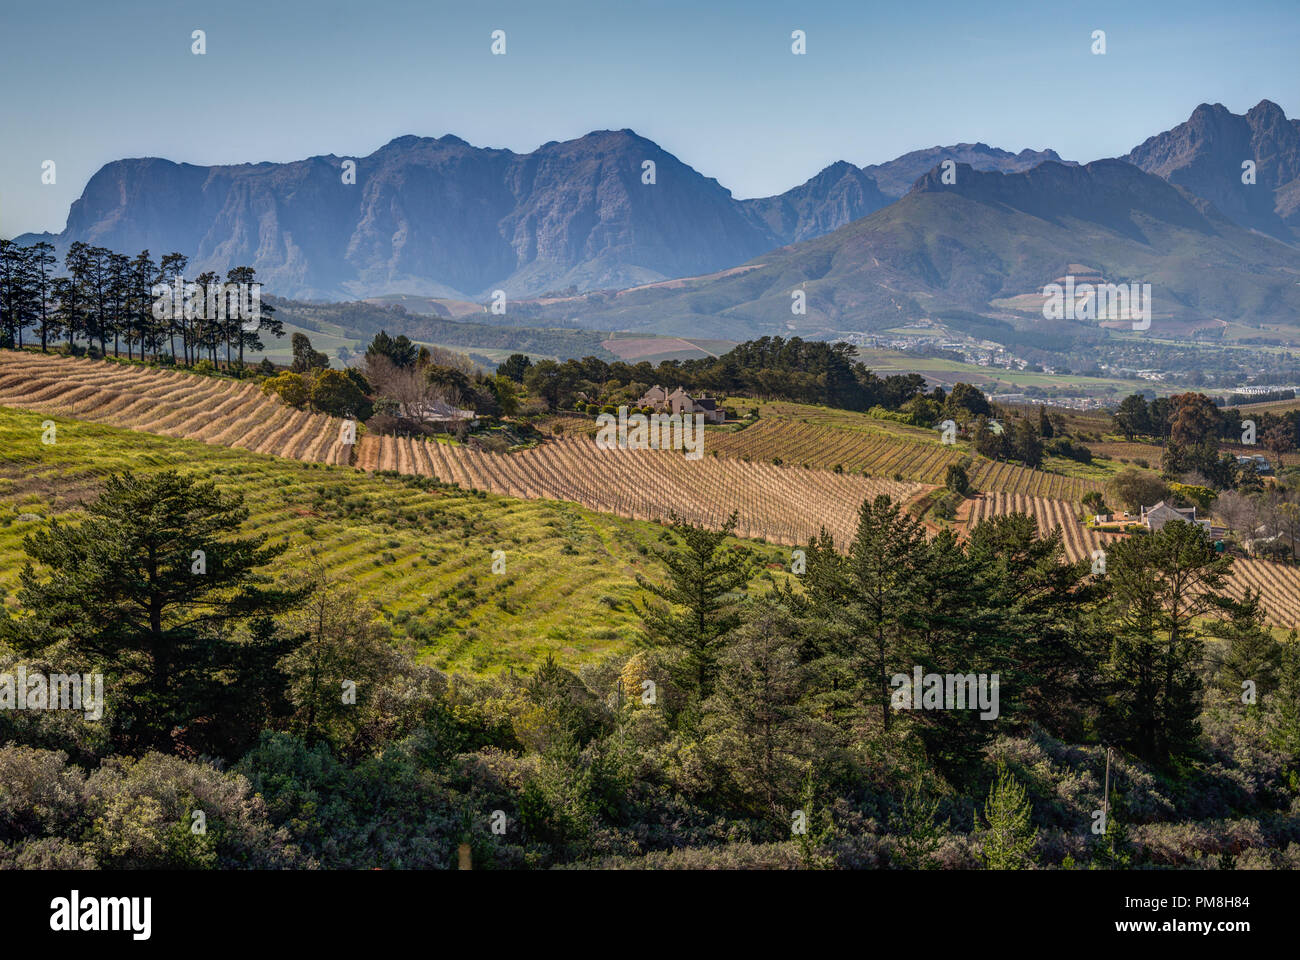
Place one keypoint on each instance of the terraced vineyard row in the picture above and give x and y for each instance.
(424, 554)
(1279, 583)
(780, 504)
(168, 402)
(1078, 540)
(827, 447)
(1123, 450)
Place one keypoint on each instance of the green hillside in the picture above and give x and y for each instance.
(420, 552)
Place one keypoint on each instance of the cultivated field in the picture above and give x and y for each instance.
(1125, 450)
(1279, 583)
(785, 505)
(168, 402)
(1079, 541)
(422, 553)
(882, 452)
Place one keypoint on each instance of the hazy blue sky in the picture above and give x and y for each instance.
(716, 84)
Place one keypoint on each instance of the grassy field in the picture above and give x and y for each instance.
(995, 380)
(422, 553)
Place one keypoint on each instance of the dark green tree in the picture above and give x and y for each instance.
(401, 351)
(755, 720)
(514, 367)
(1133, 418)
(1161, 585)
(885, 565)
(1251, 653)
(152, 583)
(698, 604)
(305, 358)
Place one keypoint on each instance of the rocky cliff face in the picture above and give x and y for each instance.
(838, 195)
(1205, 156)
(436, 217)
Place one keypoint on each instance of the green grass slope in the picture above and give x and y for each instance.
(422, 553)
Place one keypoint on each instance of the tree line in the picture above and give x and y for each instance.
(104, 297)
(801, 371)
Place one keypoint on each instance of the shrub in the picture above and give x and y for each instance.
(1065, 447)
(956, 479)
(292, 388)
(335, 393)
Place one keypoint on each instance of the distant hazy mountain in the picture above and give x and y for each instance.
(838, 195)
(1205, 155)
(430, 217)
(442, 218)
(896, 177)
(974, 247)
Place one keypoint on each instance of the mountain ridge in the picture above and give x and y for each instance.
(437, 216)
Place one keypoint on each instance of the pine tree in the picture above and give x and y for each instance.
(954, 631)
(151, 582)
(207, 328)
(755, 721)
(119, 301)
(920, 830)
(10, 285)
(698, 603)
(142, 275)
(818, 827)
(1161, 584)
(41, 261)
(1284, 704)
(1252, 654)
(885, 565)
(1011, 836)
(170, 270)
(1040, 626)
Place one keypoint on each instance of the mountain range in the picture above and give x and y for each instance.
(982, 248)
(442, 218)
(622, 234)
(1205, 155)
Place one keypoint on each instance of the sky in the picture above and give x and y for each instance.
(85, 82)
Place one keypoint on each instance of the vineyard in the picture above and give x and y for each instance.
(785, 505)
(1078, 540)
(421, 553)
(885, 454)
(168, 402)
(1278, 583)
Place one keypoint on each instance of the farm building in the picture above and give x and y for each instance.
(658, 399)
(1155, 517)
(1261, 464)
